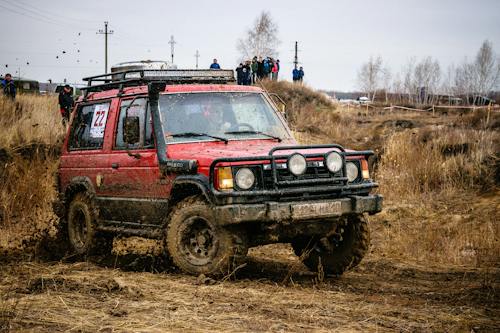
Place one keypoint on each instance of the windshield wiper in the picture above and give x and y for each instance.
(255, 132)
(190, 134)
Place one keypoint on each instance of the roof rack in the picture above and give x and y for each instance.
(139, 77)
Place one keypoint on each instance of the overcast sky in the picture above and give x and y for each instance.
(335, 37)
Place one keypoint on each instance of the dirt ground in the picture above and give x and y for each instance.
(274, 292)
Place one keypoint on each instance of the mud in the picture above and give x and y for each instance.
(273, 292)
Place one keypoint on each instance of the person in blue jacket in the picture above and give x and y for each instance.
(295, 75)
(301, 74)
(215, 65)
(8, 86)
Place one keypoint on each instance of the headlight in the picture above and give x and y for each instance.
(352, 171)
(297, 164)
(245, 178)
(333, 162)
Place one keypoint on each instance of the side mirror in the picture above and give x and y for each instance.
(131, 132)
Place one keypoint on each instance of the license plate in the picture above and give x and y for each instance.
(318, 209)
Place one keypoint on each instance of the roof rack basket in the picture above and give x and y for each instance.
(139, 77)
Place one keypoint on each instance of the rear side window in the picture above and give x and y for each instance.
(87, 129)
(140, 109)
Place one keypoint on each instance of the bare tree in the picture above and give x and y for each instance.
(369, 76)
(386, 82)
(487, 68)
(261, 39)
(427, 76)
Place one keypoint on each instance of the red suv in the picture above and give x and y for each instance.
(212, 169)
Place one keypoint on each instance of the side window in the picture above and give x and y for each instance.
(87, 129)
(139, 108)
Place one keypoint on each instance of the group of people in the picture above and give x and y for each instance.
(249, 72)
(298, 75)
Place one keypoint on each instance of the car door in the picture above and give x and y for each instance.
(87, 143)
(133, 190)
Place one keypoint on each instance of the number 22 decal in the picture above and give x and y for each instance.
(99, 118)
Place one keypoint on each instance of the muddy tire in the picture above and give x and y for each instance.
(82, 236)
(197, 245)
(335, 255)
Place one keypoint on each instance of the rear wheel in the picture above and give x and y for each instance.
(197, 245)
(338, 251)
(82, 234)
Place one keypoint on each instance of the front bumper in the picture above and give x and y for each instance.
(297, 211)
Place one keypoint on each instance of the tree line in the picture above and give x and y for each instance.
(425, 82)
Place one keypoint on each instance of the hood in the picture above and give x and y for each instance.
(206, 152)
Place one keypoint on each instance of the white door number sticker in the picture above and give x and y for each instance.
(99, 120)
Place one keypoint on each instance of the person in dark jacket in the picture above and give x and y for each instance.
(301, 74)
(295, 75)
(260, 68)
(215, 65)
(8, 86)
(255, 67)
(239, 74)
(247, 73)
(66, 102)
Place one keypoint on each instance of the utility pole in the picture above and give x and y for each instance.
(197, 55)
(172, 42)
(296, 58)
(105, 32)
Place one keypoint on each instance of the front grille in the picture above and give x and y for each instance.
(265, 181)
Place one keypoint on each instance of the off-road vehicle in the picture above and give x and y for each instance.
(212, 169)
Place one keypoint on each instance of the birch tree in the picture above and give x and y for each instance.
(369, 76)
(261, 39)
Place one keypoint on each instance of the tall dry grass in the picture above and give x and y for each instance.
(30, 138)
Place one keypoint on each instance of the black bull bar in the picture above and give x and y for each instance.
(319, 185)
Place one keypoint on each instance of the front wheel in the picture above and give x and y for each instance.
(338, 251)
(197, 245)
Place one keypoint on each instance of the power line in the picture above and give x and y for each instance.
(65, 18)
(26, 12)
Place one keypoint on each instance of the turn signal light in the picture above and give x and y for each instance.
(225, 178)
(365, 173)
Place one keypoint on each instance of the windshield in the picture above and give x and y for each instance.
(212, 116)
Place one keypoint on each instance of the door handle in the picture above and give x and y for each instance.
(115, 165)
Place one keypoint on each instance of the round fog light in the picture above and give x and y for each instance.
(352, 171)
(245, 178)
(297, 164)
(333, 162)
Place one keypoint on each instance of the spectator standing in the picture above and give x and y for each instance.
(301, 74)
(274, 71)
(295, 75)
(239, 74)
(247, 73)
(267, 70)
(215, 65)
(254, 66)
(8, 86)
(66, 103)
(260, 68)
